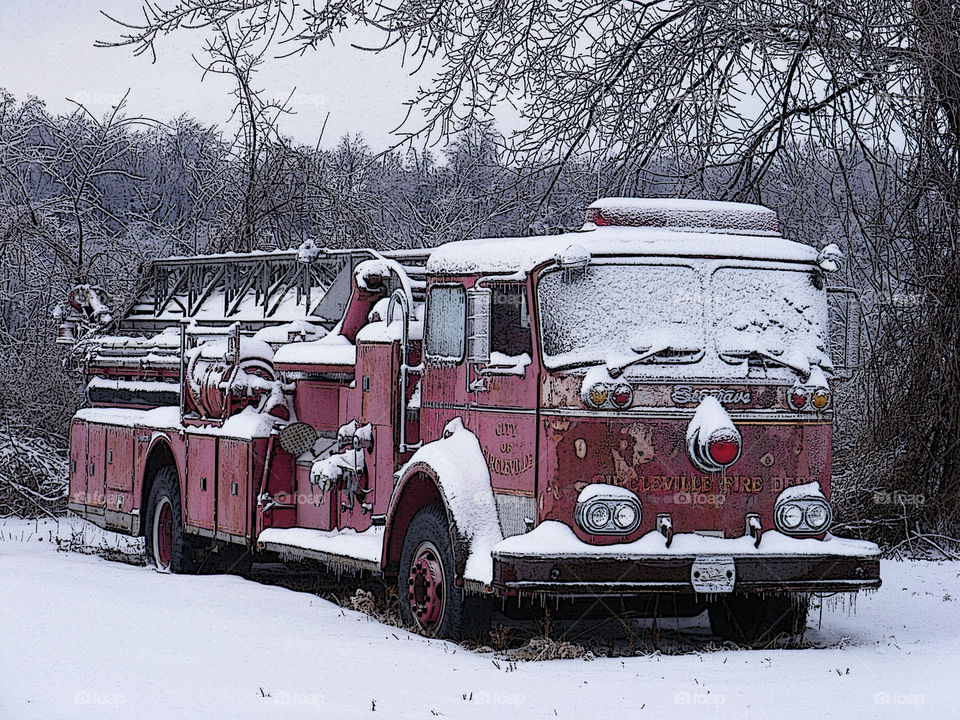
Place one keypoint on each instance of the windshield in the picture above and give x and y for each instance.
(770, 314)
(612, 312)
(693, 320)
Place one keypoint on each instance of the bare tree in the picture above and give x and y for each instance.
(851, 106)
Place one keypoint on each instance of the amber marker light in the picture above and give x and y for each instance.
(598, 395)
(820, 398)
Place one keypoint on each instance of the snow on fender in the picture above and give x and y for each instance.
(457, 464)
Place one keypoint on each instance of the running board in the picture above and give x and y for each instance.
(348, 548)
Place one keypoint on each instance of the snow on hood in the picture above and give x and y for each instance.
(280, 334)
(369, 269)
(378, 330)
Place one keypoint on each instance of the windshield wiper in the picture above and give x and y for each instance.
(735, 357)
(656, 352)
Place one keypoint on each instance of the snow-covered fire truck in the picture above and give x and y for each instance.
(640, 410)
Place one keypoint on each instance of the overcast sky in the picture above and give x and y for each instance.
(46, 50)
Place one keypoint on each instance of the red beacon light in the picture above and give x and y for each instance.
(595, 216)
(713, 442)
(723, 448)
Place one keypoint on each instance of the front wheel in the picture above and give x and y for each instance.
(429, 600)
(758, 621)
(167, 546)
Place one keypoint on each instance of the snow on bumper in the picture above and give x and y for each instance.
(551, 559)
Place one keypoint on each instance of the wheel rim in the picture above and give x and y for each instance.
(425, 585)
(163, 534)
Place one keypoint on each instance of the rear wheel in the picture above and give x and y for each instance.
(757, 621)
(168, 548)
(429, 600)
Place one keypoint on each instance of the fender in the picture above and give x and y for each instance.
(161, 444)
(450, 471)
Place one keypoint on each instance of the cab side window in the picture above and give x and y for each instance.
(446, 323)
(510, 321)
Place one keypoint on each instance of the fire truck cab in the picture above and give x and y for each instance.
(639, 409)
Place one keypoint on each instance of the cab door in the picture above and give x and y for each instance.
(497, 401)
(504, 404)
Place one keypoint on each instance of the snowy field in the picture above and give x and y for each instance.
(82, 637)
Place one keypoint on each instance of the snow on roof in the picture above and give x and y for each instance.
(331, 349)
(513, 254)
(678, 213)
(167, 418)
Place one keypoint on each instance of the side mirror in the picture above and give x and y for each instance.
(830, 258)
(479, 301)
(845, 324)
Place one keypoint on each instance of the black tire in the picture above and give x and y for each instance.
(463, 617)
(165, 494)
(757, 621)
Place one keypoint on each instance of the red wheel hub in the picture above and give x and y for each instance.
(426, 587)
(163, 534)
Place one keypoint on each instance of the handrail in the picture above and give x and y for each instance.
(400, 297)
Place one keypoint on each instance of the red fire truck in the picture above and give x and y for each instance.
(640, 410)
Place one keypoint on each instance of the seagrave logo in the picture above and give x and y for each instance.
(685, 394)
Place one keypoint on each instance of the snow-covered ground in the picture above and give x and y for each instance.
(82, 637)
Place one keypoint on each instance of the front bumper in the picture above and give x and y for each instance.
(646, 566)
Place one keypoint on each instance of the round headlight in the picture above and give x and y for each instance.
(598, 516)
(625, 515)
(791, 515)
(817, 516)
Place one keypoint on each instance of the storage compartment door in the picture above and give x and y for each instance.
(201, 481)
(233, 487)
(78, 462)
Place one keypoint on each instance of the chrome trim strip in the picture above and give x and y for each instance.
(477, 408)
